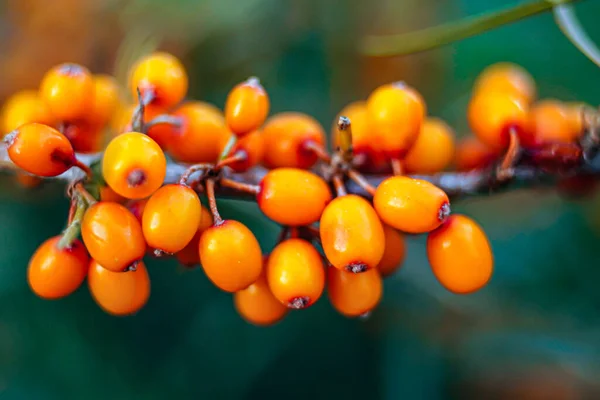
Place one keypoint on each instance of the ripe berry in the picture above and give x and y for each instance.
(506, 78)
(54, 273)
(68, 90)
(286, 136)
(106, 99)
(395, 113)
(460, 255)
(40, 150)
(22, 108)
(351, 234)
(257, 305)
(134, 165)
(472, 154)
(247, 107)
(107, 194)
(119, 293)
(230, 255)
(84, 137)
(550, 121)
(253, 146)
(113, 236)
(411, 205)
(354, 294)
(493, 115)
(171, 218)
(295, 273)
(395, 251)
(434, 149)
(189, 256)
(280, 190)
(201, 135)
(161, 76)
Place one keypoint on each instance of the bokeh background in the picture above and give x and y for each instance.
(533, 333)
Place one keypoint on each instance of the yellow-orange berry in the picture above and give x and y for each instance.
(171, 218)
(283, 189)
(68, 90)
(247, 107)
(251, 146)
(257, 305)
(295, 273)
(351, 234)
(22, 108)
(395, 251)
(460, 255)
(506, 77)
(434, 149)
(189, 255)
(354, 295)
(119, 293)
(84, 137)
(472, 154)
(230, 255)
(395, 113)
(550, 121)
(134, 165)
(106, 99)
(411, 205)
(107, 194)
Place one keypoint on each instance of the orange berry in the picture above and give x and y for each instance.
(550, 121)
(282, 189)
(395, 114)
(295, 273)
(247, 107)
(53, 272)
(119, 293)
(40, 150)
(189, 255)
(460, 255)
(472, 154)
(22, 108)
(107, 97)
(575, 116)
(68, 90)
(351, 234)
(434, 149)
(27, 180)
(257, 305)
(286, 136)
(134, 165)
(201, 135)
(107, 194)
(411, 205)
(493, 115)
(113, 236)
(354, 295)
(171, 218)
(84, 138)
(508, 78)
(230, 255)
(161, 76)
(252, 146)
(395, 251)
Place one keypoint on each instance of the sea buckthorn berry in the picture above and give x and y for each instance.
(550, 121)
(472, 154)
(247, 107)
(352, 234)
(395, 251)
(53, 272)
(84, 138)
(286, 136)
(40, 150)
(134, 165)
(282, 189)
(493, 115)
(257, 305)
(434, 149)
(295, 273)
(395, 113)
(161, 76)
(107, 194)
(253, 146)
(575, 113)
(113, 236)
(506, 77)
(200, 136)
(354, 295)
(106, 99)
(189, 256)
(460, 255)
(22, 108)
(230, 255)
(68, 90)
(119, 293)
(411, 205)
(171, 218)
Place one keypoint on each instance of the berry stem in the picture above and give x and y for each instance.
(89, 199)
(318, 149)
(164, 119)
(227, 149)
(238, 156)
(241, 186)
(361, 181)
(74, 226)
(88, 171)
(193, 169)
(344, 133)
(505, 169)
(338, 183)
(397, 166)
(212, 202)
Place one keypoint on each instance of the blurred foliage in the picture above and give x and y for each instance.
(532, 333)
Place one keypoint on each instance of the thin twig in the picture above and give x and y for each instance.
(318, 149)
(338, 183)
(242, 187)
(212, 202)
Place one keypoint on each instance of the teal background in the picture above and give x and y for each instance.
(534, 331)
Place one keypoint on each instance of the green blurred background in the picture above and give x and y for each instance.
(534, 332)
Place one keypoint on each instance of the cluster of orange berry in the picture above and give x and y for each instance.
(362, 241)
